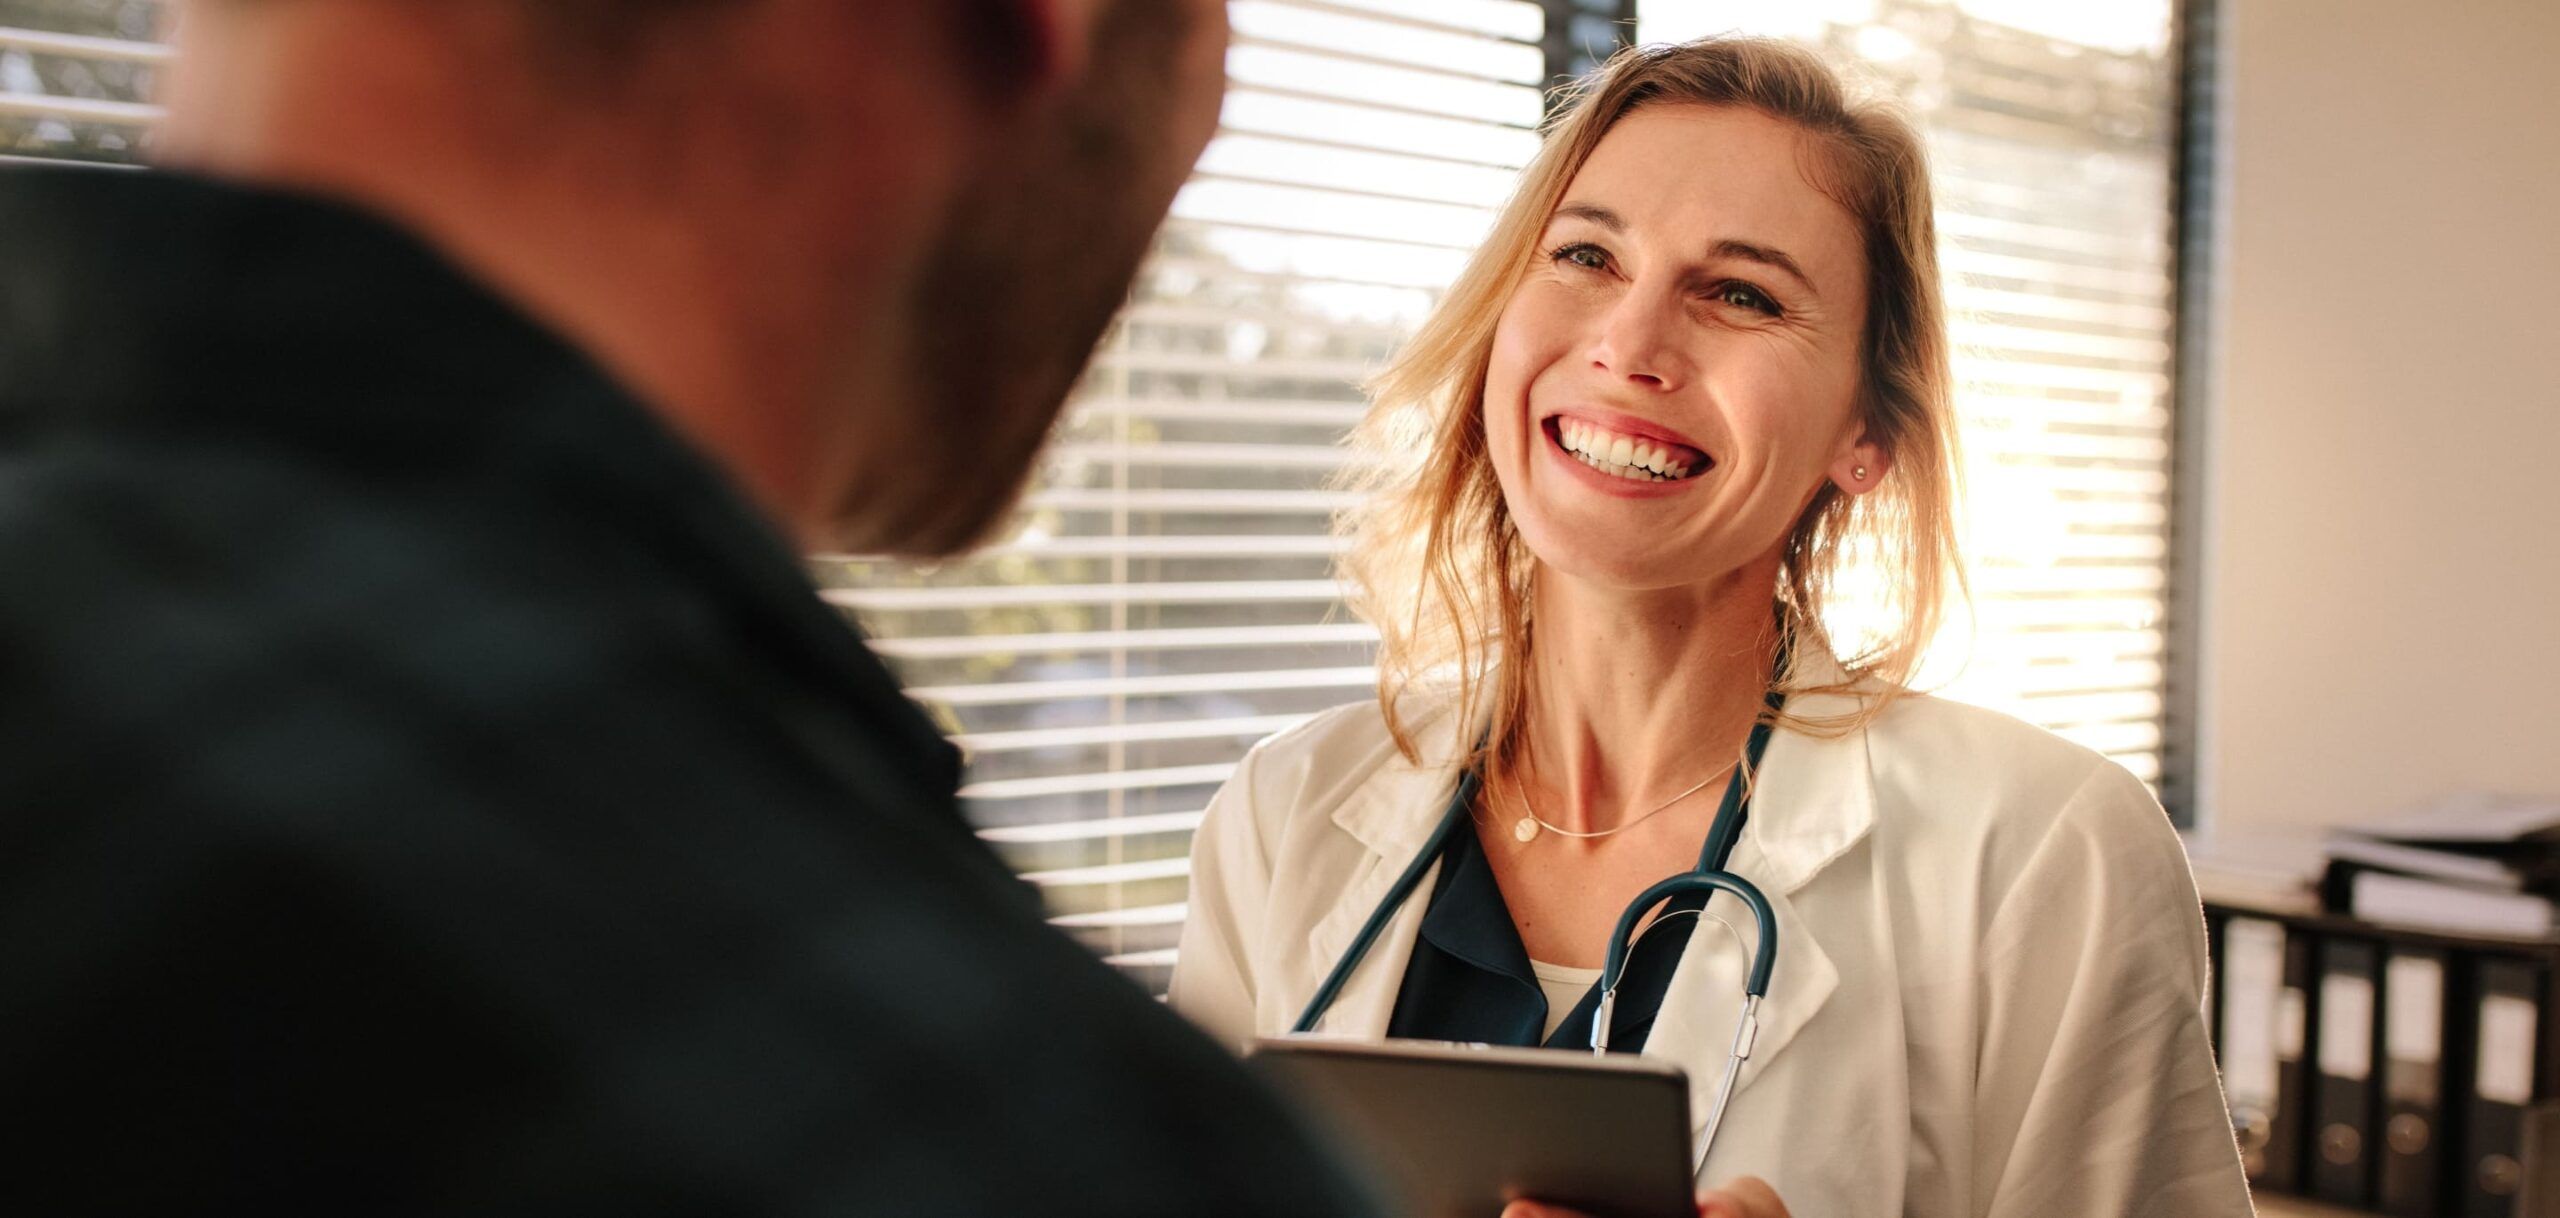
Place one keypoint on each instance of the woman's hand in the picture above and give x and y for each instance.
(1746, 1197)
(1743, 1197)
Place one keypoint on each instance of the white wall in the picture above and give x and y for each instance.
(2383, 525)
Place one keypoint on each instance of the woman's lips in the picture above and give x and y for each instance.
(1621, 481)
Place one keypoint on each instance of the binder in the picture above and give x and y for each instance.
(2340, 1166)
(2541, 1192)
(2508, 1042)
(2250, 982)
(2410, 1181)
(2289, 1126)
(2297, 994)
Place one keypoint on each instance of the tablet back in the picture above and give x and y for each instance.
(1455, 1131)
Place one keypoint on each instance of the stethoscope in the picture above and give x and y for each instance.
(1709, 878)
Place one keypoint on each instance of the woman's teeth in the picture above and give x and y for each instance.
(1623, 456)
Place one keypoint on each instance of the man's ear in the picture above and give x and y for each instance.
(1032, 47)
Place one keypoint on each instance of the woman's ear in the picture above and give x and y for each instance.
(1862, 468)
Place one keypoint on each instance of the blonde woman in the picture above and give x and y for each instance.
(1698, 367)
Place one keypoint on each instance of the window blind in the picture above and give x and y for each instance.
(76, 78)
(1166, 595)
(2052, 132)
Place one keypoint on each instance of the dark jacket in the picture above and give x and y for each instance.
(425, 787)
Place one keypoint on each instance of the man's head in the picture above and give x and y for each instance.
(859, 252)
(1035, 256)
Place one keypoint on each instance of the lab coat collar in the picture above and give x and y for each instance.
(1395, 810)
(1392, 813)
(1815, 796)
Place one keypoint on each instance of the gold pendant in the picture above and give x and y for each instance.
(1526, 829)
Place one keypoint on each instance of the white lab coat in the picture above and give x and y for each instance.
(1990, 972)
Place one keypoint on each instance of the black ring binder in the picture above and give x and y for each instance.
(2413, 1073)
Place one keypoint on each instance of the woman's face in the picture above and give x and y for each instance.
(1676, 375)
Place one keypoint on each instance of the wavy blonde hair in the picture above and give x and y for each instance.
(1433, 558)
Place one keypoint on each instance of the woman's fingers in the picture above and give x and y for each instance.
(1742, 1197)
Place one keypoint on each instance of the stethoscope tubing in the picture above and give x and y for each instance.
(1397, 894)
(1755, 986)
(1710, 877)
(1764, 956)
(1722, 835)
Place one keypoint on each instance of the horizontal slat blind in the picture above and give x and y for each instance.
(76, 78)
(2053, 149)
(1167, 596)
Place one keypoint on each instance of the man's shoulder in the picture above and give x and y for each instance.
(181, 598)
(1091, 1090)
(341, 709)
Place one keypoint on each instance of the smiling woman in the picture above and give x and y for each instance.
(1642, 324)
(1697, 370)
(1436, 549)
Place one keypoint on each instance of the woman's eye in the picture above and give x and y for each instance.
(1588, 257)
(1743, 295)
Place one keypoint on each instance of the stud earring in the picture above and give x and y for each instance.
(1858, 473)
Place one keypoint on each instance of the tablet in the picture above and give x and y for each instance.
(1457, 1131)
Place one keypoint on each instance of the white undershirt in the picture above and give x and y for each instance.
(1564, 987)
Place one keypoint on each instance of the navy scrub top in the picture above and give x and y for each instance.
(1470, 980)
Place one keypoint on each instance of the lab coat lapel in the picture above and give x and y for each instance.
(1368, 998)
(1391, 816)
(1815, 800)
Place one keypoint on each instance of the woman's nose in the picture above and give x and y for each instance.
(1636, 342)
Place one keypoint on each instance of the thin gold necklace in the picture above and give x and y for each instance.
(1525, 830)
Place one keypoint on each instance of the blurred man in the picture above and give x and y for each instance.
(427, 781)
